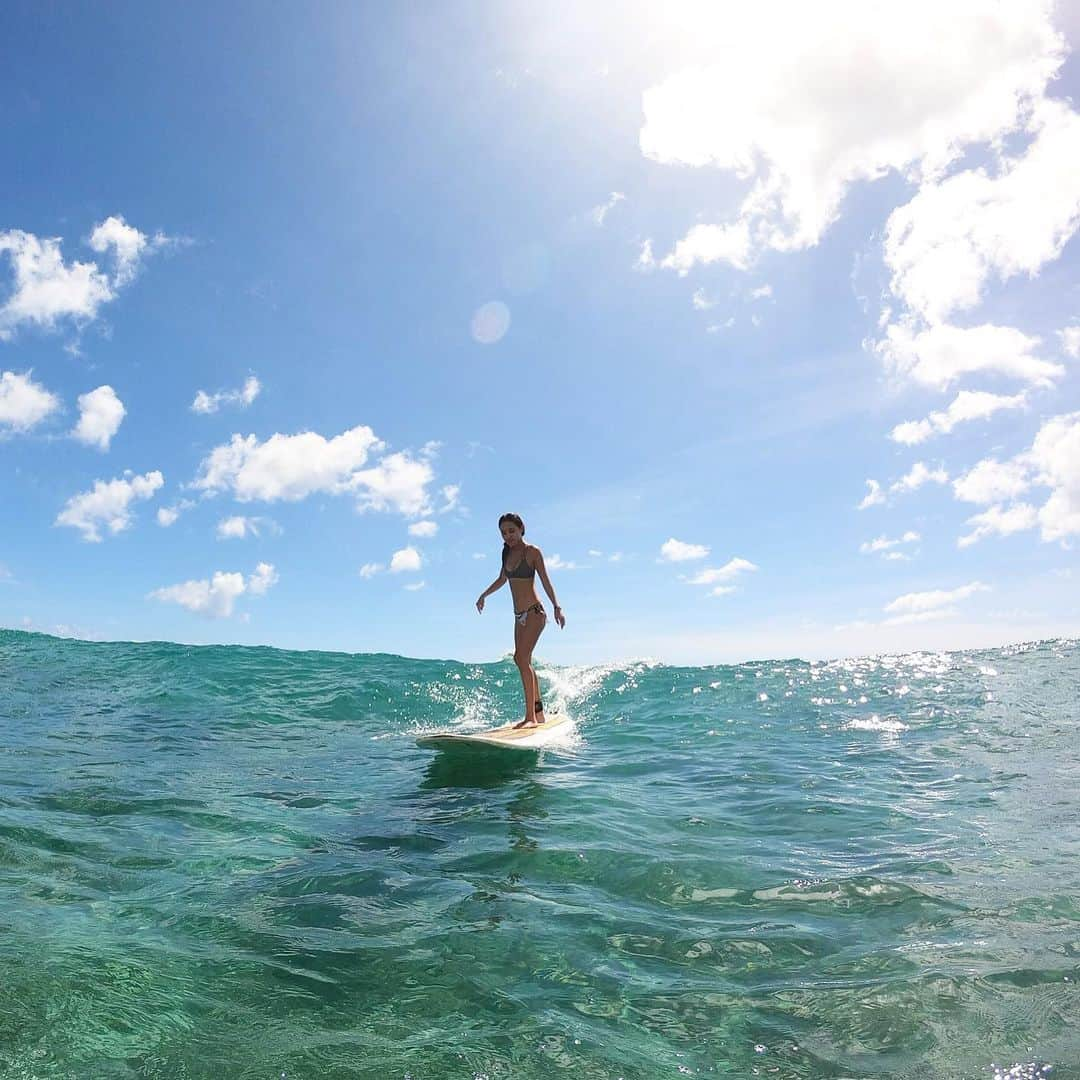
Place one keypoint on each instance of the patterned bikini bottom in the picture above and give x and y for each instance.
(523, 616)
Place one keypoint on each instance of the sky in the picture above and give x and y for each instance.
(766, 322)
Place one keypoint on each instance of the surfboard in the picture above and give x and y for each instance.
(504, 738)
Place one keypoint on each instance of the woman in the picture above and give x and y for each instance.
(520, 563)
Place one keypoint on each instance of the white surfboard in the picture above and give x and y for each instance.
(504, 738)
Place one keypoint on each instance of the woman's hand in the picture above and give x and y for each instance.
(480, 605)
(560, 618)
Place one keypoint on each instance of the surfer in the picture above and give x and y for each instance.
(520, 564)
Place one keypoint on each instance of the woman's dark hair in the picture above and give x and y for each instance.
(519, 523)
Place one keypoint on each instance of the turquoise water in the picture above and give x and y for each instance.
(235, 862)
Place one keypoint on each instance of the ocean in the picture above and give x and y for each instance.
(235, 862)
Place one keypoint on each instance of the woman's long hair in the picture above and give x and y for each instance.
(519, 523)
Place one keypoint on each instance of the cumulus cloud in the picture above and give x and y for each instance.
(46, 289)
(966, 80)
(1070, 340)
(423, 529)
(108, 505)
(673, 550)
(216, 598)
(451, 494)
(210, 403)
(556, 562)
(100, 415)
(238, 527)
(954, 234)
(918, 475)
(940, 355)
(168, 515)
(406, 560)
(370, 569)
(967, 405)
(936, 604)
(23, 402)
(127, 245)
(992, 481)
(399, 482)
(999, 521)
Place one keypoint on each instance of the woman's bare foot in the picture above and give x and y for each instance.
(531, 721)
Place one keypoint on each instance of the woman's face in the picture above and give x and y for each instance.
(511, 534)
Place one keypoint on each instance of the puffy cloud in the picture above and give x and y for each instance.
(1055, 458)
(940, 355)
(676, 551)
(23, 402)
(992, 481)
(406, 560)
(967, 405)
(210, 403)
(424, 529)
(556, 562)
(46, 289)
(127, 244)
(1070, 340)
(239, 527)
(399, 482)
(945, 244)
(451, 494)
(100, 415)
(288, 467)
(969, 73)
(216, 598)
(108, 505)
(999, 521)
(918, 475)
(168, 515)
(917, 607)
(709, 244)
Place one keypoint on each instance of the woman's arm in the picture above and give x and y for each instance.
(541, 569)
(497, 584)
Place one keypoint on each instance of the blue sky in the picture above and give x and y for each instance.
(768, 326)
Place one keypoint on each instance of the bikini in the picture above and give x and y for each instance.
(525, 571)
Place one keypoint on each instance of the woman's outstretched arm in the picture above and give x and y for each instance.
(497, 584)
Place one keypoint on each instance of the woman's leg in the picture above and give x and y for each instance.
(525, 638)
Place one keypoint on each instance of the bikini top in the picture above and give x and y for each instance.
(522, 570)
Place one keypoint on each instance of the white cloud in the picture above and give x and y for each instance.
(424, 529)
(291, 467)
(915, 607)
(46, 289)
(100, 415)
(415, 586)
(1055, 458)
(709, 244)
(873, 497)
(645, 260)
(999, 521)
(127, 244)
(940, 355)
(217, 597)
(967, 405)
(108, 505)
(406, 560)
(676, 551)
(727, 572)
(1070, 340)
(969, 72)
(723, 590)
(762, 293)
(598, 213)
(918, 475)
(370, 569)
(883, 543)
(210, 403)
(399, 482)
(168, 515)
(945, 244)
(555, 562)
(701, 302)
(239, 527)
(450, 494)
(23, 402)
(992, 481)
